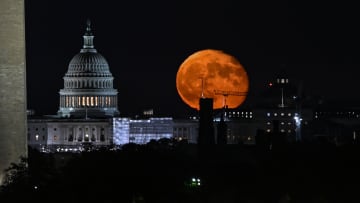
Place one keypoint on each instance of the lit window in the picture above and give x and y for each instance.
(72, 101)
(282, 123)
(282, 80)
(36, 137)
(268, 123)
(275, 114)
(282, 130)
(268, 114)
(268, 130)
(282, 114)
(289, 114)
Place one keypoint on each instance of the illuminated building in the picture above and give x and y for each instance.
(87, 116)
(73, 135)
(141, 131)
(88, 84)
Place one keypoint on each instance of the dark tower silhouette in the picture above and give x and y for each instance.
(222, 128)
(206, 126)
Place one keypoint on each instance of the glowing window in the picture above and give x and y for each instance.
(275, 114)
(268, 114)
(72, 101)
(36, 137)
(268, 130)
(92, 101)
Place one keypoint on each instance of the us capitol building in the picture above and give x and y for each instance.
(88, 84)
(88, 114)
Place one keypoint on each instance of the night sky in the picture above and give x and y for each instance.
(145, 42)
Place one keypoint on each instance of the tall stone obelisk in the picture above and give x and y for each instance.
(13, 139)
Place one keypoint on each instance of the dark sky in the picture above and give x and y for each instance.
(145, 42)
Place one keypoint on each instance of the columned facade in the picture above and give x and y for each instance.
(88, 84)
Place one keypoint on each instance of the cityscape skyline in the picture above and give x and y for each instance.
(145, 43)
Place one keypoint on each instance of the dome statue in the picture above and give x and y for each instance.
(88, 84)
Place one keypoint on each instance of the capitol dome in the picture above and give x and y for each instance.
(88, 84)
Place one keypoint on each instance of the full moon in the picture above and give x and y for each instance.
(212, 74)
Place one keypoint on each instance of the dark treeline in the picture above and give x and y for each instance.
(161, 171)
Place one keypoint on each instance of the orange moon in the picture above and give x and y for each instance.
(212, 74)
